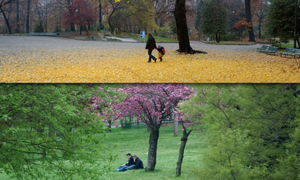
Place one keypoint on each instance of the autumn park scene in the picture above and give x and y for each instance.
(104, 41)
(149, 89)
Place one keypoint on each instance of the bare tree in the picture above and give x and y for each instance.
(3, 3)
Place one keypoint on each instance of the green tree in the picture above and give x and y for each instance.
(252, 130)
(47, 132)
(280, 19)
(214, 18)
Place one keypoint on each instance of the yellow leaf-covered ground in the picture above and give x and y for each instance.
(49, 59)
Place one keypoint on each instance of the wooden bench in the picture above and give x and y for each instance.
(264, 47)
(270, 50)
(288, 52)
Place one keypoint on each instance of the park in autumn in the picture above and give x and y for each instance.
(79, 41)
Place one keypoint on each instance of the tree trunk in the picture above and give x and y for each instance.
(27, 16)
(249, 21)
(6, 20)
(181, 25)
(109, 125)
(175, 128)
(218, 37)
(181, 151)
(17, 17)
(100, 12)
(153, 140)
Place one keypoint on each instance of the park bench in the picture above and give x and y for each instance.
(43, 34)
(270, 50)
(288, 52)
(264, 47)
(296, 53)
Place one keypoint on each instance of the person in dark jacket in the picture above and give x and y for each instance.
(138, 162)
(150, 46)
(129, 165)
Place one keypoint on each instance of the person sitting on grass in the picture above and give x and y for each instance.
(138, 162)
(129, 165)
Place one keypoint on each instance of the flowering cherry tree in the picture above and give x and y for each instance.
(101, 103)
(150, 104)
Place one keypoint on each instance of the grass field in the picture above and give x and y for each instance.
(157, 38)
(135, 141)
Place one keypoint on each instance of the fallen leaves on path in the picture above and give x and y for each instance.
(127, 66)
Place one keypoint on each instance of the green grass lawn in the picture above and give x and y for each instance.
(229, 42)
(135, 141)
(157, 38)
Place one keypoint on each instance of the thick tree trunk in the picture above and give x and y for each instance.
(6, 20)
(27, 16)
(249, 21)
(181, 25)
(153, 140)
(181, 151)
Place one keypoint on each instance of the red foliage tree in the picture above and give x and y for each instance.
(80, 13)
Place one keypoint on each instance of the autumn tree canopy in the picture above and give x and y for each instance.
(79, 13)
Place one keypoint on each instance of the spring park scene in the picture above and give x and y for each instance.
(149, 89)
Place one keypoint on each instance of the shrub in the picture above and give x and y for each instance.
(39, 28)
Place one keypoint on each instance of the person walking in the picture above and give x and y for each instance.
(150, 46)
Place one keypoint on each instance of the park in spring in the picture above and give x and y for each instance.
(178, 131)
(104, 41)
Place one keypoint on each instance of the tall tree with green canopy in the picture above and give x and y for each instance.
(280, 19)
(47, 132)
(214, 18)
(251, 130)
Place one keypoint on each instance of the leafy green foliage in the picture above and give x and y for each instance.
(214, 17)
(39, 28)
(47, 132)
(280, 19)
(252, 131)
